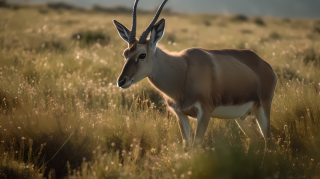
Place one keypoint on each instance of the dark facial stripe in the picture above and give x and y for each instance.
(128, 68)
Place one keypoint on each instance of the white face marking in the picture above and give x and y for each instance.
(232, 112)
(145, 66)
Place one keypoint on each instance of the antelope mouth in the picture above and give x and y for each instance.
(125, 87)
(125, 82)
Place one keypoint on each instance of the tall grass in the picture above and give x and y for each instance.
(61, 113)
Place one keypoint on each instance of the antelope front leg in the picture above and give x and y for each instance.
(203, 118)
(184, 125)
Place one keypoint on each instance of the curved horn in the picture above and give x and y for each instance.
(132, 36)
(143, 37)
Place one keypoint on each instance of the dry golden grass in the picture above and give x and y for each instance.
(53, 87)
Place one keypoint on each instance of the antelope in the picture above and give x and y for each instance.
(200, 83)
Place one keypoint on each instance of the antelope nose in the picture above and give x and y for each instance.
(121, 82)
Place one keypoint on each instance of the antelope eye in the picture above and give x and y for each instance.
(142, 56)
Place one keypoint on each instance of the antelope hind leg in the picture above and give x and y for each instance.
(249, 128)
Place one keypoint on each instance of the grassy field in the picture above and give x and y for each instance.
(62, 115)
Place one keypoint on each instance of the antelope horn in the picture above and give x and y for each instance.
(132, 36)
(143, 37)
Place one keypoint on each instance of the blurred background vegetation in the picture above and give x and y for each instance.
(298, 8)
(61, 114)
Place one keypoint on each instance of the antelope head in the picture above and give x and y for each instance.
(139, 54)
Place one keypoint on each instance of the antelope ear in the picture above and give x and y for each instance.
(122, 30)
(157, 33)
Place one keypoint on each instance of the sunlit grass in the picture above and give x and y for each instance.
(55, 90)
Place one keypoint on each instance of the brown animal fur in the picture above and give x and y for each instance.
(198, 76)
(211, 78)
(201, 83)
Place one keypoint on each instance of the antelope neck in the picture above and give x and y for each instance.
(168, 74)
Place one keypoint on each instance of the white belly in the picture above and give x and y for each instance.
(232, 112)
